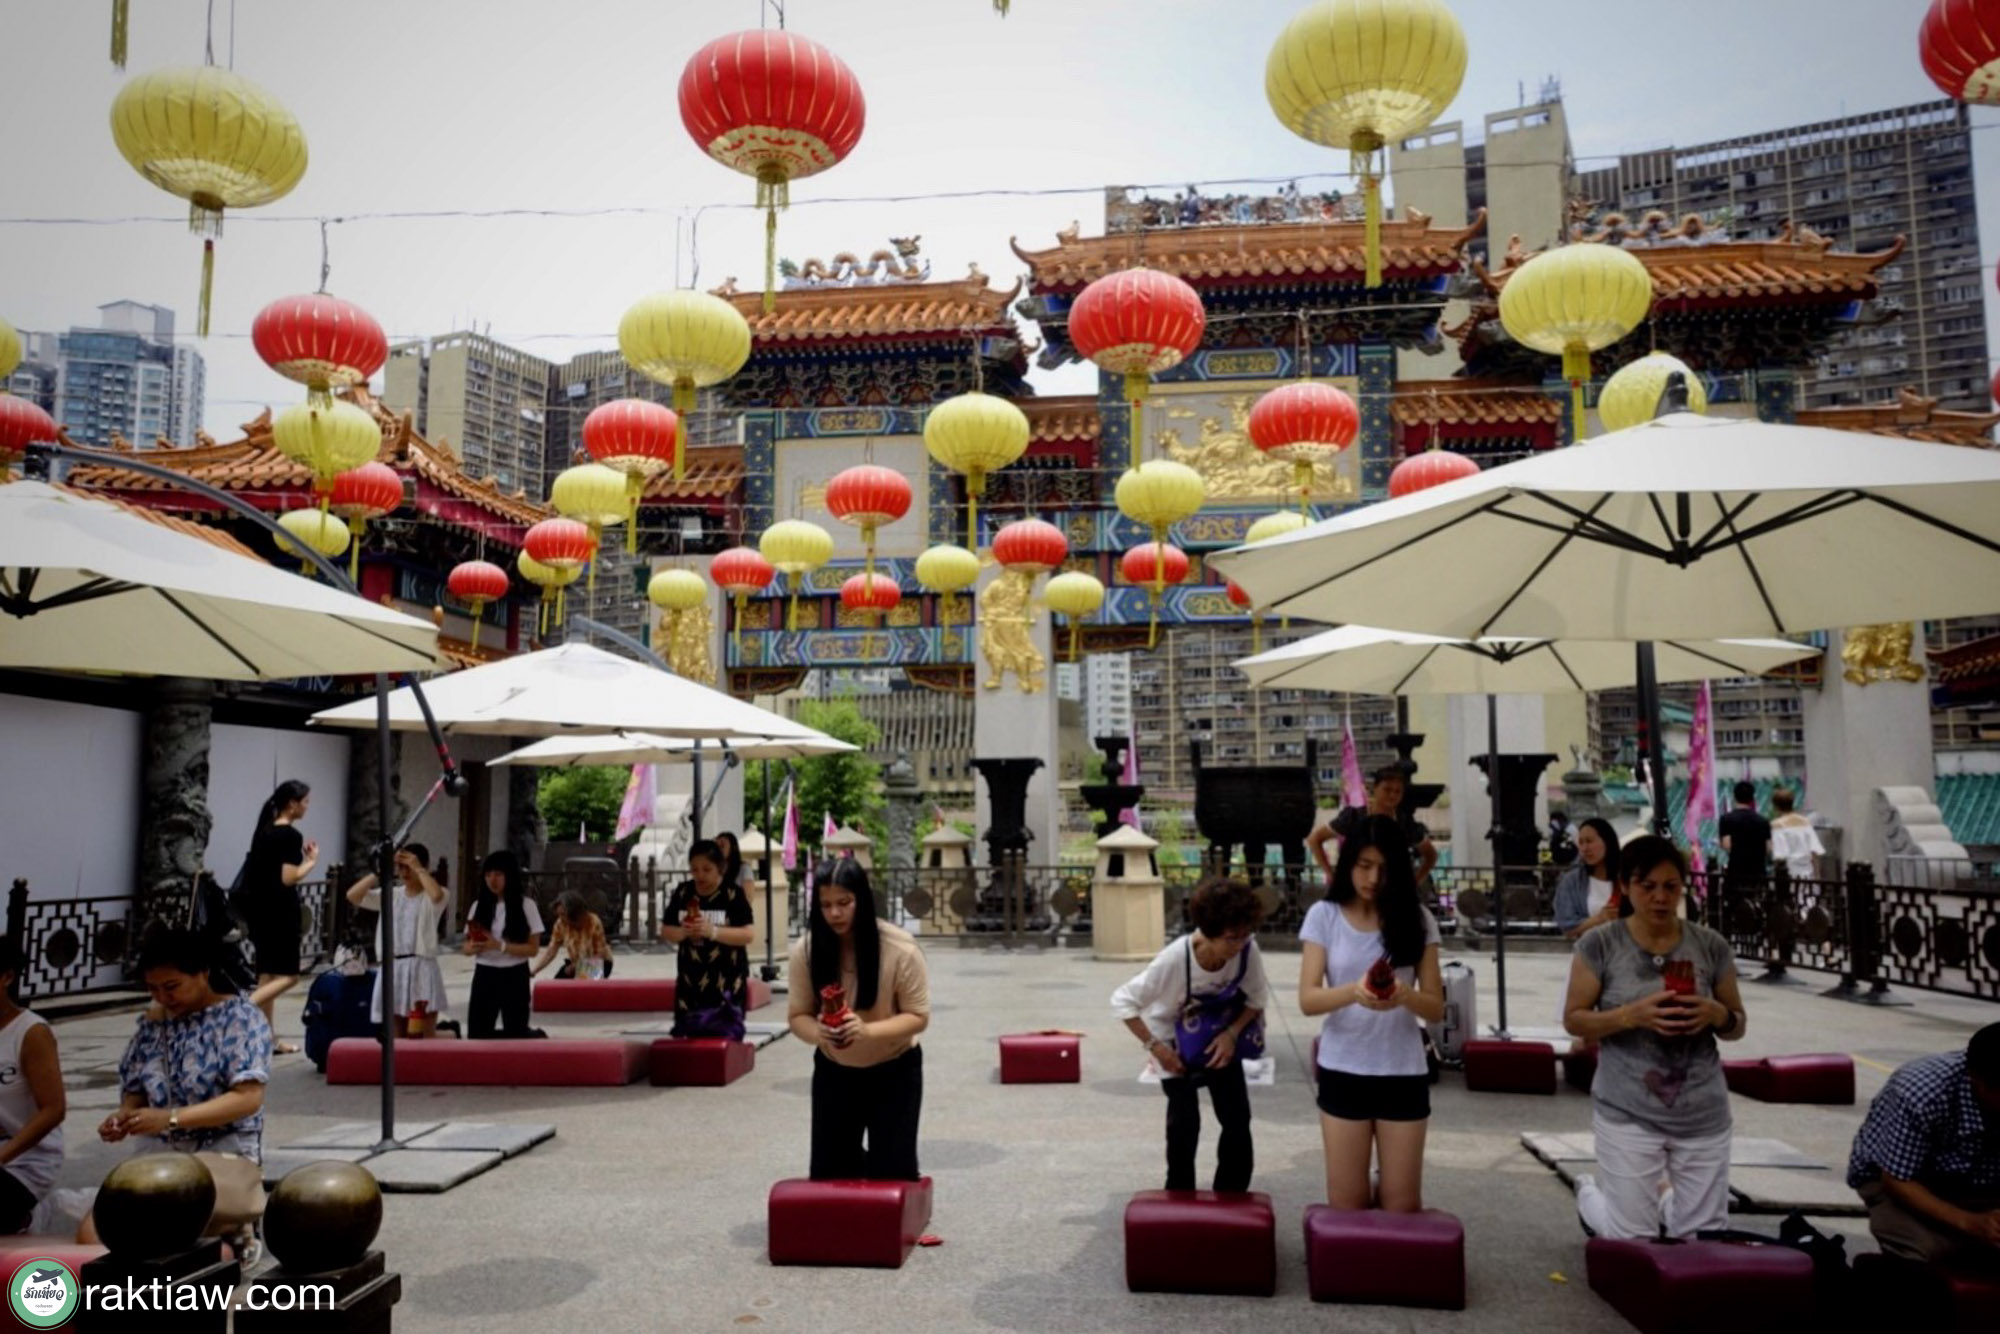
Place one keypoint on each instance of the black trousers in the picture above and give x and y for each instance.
(1234, 1156)
(881, 1102)
(498, 994)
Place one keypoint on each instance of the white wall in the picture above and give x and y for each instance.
(69, 797)
(246, 763)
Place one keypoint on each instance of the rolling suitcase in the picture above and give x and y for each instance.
(1461, 1012)
(337, 1007)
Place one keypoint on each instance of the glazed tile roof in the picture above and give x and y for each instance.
(254, 464)
(876, 310)
(1911, 417)
(1727, 272)
(1411, 248)
(1472, 403)
(186, 527)
(1965, 662)
(1970, 804)
(1071, 417)
(713, 473)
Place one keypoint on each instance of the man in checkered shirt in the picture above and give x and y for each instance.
(1927, 1160)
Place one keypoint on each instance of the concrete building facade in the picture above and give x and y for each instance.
(126, 378)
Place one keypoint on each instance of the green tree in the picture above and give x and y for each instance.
(587, 795)
(847, 787)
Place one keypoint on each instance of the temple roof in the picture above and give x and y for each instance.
(1472, 403)
(877, 310)
(1687, 273)
(1068, 418)
(1262, 253)
(714, 472)
(254, 464)
(215, 537)
(1912, 417)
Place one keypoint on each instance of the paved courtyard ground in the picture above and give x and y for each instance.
(646, 1212)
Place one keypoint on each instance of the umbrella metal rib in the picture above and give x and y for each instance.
(208, 630)
(22, 604)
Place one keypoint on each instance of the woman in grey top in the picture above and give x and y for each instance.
(1656, 992)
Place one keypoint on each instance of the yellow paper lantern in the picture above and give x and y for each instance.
(975, 434)
(1276, 525)
(1573, 300)
(215, 139)
(796, 548)
(677, 590)
(315, 530)
(10, 352)
(1633, 394)
(551, 581)
(1074, 594)
(326, 441)
(596, 497)
(1160, 493)
(688, 341)
(1361, 74)
(945, 569)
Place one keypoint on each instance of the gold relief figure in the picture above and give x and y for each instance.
(1233, 468)
(1880, 653)
(1003, 632)
(687, 635)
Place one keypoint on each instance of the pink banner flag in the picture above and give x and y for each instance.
(640, 795)
(1701, 781)
(830, 829)
(1130, 778)
(791, 846)
(1353, 787)
(937, 816)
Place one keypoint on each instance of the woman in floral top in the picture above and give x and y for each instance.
(193, 1080)
(578, 932)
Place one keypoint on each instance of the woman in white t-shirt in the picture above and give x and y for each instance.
(1794, 841)
(32, 1102)
(420, 997)
(1371, 967)
(502, 934)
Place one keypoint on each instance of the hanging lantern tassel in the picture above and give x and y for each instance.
(354, 553)
(478, 606)
(1135, 394)
(792, 606)
(1256, 631)
(1302, 477)
(542, 615)
(736, 627)
(1576, 369)
(207, 287)
(121, 24)
(975, 486)
(635, 487)
(562, 606)
(1364, 164)
(683, 405)
(1072, 638)
(773, 193)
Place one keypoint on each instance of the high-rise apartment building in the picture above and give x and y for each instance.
(1861, 182)
(35, 378)
(486, 402)
(126, 378)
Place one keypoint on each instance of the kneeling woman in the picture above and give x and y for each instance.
(1197, 983)
(1655, 992)
(1370, 966)
(868, 1071)
(502, 934)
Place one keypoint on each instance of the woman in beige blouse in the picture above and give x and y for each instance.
(868, 1073)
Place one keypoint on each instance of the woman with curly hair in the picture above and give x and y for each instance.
(1211, 978)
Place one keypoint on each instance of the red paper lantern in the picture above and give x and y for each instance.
(1237, 596)
(321, 341)
(634, 437)
(1240, 597)
(1433, 467)
(773, 105)
(560, 544)
(870, 593)
(1959, 44)
(476, 583)
(1139, 565)
(739, 572)
(360, 494)
(1030, 545)
(1304, 423)
(868, 496)
(22, 424)
(1137, 323)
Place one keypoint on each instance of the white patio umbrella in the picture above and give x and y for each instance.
(573, 688)
(1367, 661)
(88, 585)
(644, 748)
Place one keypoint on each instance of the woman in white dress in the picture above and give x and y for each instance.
(419, 981)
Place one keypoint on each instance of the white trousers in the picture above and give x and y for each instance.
(1632, 1163)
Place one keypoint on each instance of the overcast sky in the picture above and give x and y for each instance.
(454, 105)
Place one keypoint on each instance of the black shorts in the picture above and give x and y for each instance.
(17, 1204)
(1348, 1097)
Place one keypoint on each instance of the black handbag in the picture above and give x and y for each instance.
(232, 957)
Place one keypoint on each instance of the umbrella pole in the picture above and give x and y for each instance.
(764, 873)
(694, 811)
(1499, 862)
(385, 884)
(1656, 752)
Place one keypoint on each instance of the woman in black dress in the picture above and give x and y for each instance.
(280, 858)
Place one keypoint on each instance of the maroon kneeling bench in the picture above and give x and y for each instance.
(536, 1062)
(1820, 1077)
(1933, 1298)
(1201, 1241)
(1041, 1058)
(864, 1224)
(1702, 1287)
(1495, 1066)
(1368, 1257)
(700, 1062)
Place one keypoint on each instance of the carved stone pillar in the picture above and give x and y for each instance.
(525, 832)
(904, 795)
(174, 820)
(364, 816)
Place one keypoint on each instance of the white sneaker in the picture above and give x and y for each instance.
(1587, 1196)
